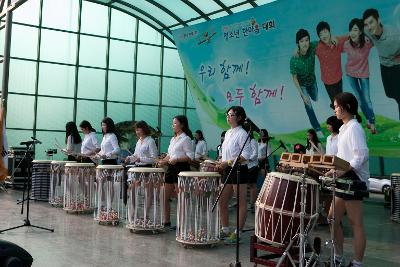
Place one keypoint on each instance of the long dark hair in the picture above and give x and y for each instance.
(110, 125)
(264, 136)
(314, 138)
(335, 123)
(348, 102)
(86, 125)
(71, 129)
(239, 112)
(359, 23)
(184, 124)
(200, 133)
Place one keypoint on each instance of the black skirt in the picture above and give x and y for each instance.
(244, 174)
(171, 177)
(356, 191)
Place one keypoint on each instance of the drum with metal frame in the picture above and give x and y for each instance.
(57, 178)
(277, 218)
(196, 223)
(110, 208)
(145, 199)
(79, 187)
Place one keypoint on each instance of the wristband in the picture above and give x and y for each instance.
(230, 163)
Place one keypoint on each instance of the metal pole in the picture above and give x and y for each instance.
(6, 59)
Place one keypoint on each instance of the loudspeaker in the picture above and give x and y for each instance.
(12, 255)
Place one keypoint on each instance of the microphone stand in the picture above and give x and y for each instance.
(236, 164)
(27, 185)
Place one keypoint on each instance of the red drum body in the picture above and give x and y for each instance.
(278, 207)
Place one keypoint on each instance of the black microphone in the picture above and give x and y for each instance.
(36, 141)
(251, 124)
(282, 145)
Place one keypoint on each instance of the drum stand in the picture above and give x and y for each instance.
(303, 236)
(28, 185)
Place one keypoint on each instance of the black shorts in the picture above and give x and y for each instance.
(253, 175)
(171, 177)
(244, 173)
(358, 187)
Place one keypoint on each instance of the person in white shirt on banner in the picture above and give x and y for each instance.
(253, 171)
(219, 147)
(180, 153)
(200, 151)
(90, 145)
(352, 147)
(146, 151)
(332, 124)
(73, 141)
(109, 145)
(235, 139)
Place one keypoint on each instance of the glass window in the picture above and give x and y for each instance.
(120, 86)
(58, 46)
(15, 137)
(147, 89)
(48, 140)
(173, 92)
(183, 11)
(122, 55)
(148, 114)
(208, 6)
(61, 14)
(57, 80)
(122, 25)
(172, 63)
(189, 101)
(20, 116)
(94, 18)
(165, 140)
(148, 59)
(194, 121)
(93, 51)
(92, 111)
(91, 83)
(27, 13)
(119, 112)
(23, 41)
(22, 76)
(168, 43)
(167, 115)
(148, 35)
(53, 113)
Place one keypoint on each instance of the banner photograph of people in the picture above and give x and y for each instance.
(286, 72)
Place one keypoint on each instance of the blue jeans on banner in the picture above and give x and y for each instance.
(311, 91)
(361, 90)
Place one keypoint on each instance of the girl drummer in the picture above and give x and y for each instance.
(73, 141)
(352, 147)
(146, 151)
(200, 151)
(109, 145)
(235, 138)
(90, 145)
(180, 152)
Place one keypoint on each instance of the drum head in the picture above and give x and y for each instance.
(199, 174)
(142, 169)
(79, 165)
(41, 161)
(61, 162)
(290, 177)
(113, 167)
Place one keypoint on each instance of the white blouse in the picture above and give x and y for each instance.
(352, 147)
(90, 144)
(109, 146)
(200, 149)
(71, 147)
(146, 151)
(311, 151)
(263, 150)
(331, 145)
(180, 146)
(234, 140)
(253, 161)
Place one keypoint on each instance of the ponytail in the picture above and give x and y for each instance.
(358, 117)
